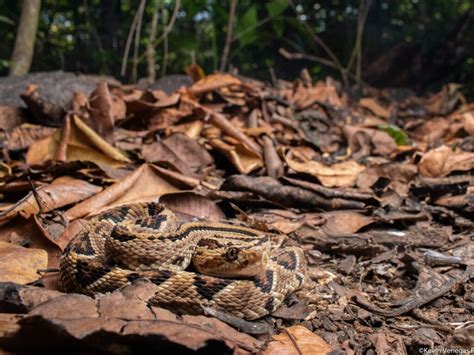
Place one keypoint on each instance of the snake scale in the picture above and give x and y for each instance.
(234, 269)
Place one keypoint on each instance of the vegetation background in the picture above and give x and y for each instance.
(420, 44)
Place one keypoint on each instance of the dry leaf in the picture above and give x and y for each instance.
(213, 82)
(144, 184)
(297, 340)
(243, 158)
(61, 192)
(189, 205)
(337, 175)
(101, 111)
(443, 160)
(21, 265)
(83, 144)
(339, 223)
(374, 106)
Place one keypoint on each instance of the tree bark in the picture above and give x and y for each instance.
(25, 38)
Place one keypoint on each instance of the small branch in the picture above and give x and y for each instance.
(138, 30)
(320, 42)
(357, 50)
(165, 43)
(133, 27)
(298, 56)
(150, 51)
(167, 30)
(230, 31)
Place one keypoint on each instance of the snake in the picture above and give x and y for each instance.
(193, 265)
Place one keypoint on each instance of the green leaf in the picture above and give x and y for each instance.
(6, 20)
(248, 20)
(400, 137)
(276, 7)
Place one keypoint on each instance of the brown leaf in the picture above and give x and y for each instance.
(339, 223)
(102, 112)
(25, 135)
(189, 205)
(374, 106)
(243, 158)
(121, 316)
(443, 160)
(297, 340)
(61, 192)
(144, 184)
(337, 175)
(382, 142)
(21, 265)
(83, 144)
(186, 155)
(213, 82)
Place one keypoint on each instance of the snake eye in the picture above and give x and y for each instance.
(232, 253)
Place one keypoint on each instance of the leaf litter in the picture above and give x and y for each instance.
(377, 190)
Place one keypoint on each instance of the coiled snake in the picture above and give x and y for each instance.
(233, 269)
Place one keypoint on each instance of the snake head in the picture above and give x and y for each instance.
(230, 261)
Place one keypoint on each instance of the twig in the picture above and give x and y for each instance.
(357, 50)
(313, 58)
(230, 31)
(128, 44)
(38, 199)
(293, 340)
(138, 30)
(167, 30)
(165, 43)
(150, 50)
(320, 42)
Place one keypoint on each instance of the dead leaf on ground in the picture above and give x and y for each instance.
(244, 159)
(80, 142)
(144, 184)
(374, 106)
(25, 135)
(383, 144)
(184, 154)
(213, 82)
(443, 160)
(104, 109)
(297, 340)
(339, 223)
(61, 192)
(98, 323)
(337, 175)
(189, 205)
(21, 265)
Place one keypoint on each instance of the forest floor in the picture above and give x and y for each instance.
(376, 187)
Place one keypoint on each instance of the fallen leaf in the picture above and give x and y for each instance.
(340, 223)
(98, 324)
(374, 106)
(61, 192)
(213, 82)
(21, 265)
(244, 159)
(297, 340)
(83, 144)
(443, 160)
(103, 112)
(189, 205)
(337, 175)
(383, 143)
(130, 189)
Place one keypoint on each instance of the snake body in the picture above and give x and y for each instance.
(194, 265)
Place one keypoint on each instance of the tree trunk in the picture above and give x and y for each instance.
(25, 38)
